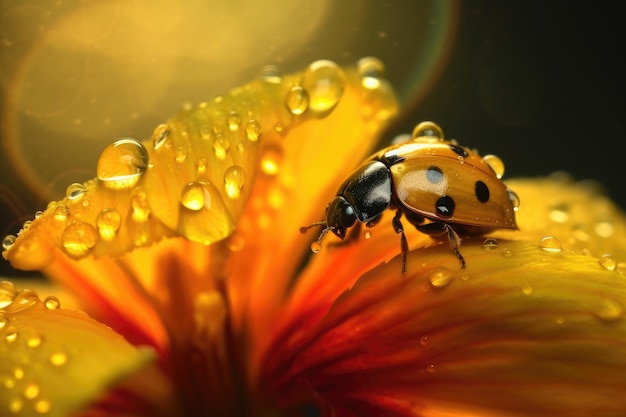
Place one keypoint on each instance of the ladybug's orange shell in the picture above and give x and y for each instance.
(418, 194)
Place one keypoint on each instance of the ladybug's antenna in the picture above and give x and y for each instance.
(304, 229)
(325, 229)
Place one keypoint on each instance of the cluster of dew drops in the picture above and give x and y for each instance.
(123, 162)
(24, 392)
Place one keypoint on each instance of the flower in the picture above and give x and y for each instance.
(187, 249)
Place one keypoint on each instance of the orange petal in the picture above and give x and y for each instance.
(522, 331)
(298, 176)
(56, 362)
(111, 292)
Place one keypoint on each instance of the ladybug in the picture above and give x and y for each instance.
(443, 189)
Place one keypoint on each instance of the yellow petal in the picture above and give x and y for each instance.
(578, 214)
(55, 362)
(193, 177)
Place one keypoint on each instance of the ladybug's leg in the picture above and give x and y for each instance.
(455, 242)
(404, 245)
(439, 229)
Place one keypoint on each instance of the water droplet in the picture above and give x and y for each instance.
(550, 244)
(52, 303)
(253, 130)
(18, 373)
(61, 213)
(490, 244)
(325, 82)
(221, 145)
(233, 121)
(278, 127)
(432, 368)
(140, 206)
(38, 214)
(11, 335)
(272, 160)
(194, 196)
(440, 277)
(79, 238)
(234, 180)
(507, 253)
(527, 289)
(371, 71)
(206, 132)
(7, 382)
(236, 242)
(424, 340)
(201, 164)
(297, 100)
(42, 406)
(514, 199)
(608, 262)
(316, 247)
(367, 234)
(31, 391)
(16, 405)
(75, 191)
(122, 163)
(8, 241)
(604, 228)
(610, 310)
(58, 359)
(34, 341)
(275, 197)
(271, 74)
(23, 300)
(429, 130)
(159, 136)
(559, 213)
(7, 293)
(496, 164)
(181, 154)
(108, 222)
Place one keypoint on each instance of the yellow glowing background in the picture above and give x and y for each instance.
(77, 75)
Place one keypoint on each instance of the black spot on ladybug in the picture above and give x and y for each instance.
(459, 151)
(482, 191)
(445, 206)
(434, 175)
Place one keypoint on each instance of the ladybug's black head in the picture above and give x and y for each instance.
(339, 216)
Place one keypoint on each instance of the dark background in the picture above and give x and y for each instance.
(540, 84)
